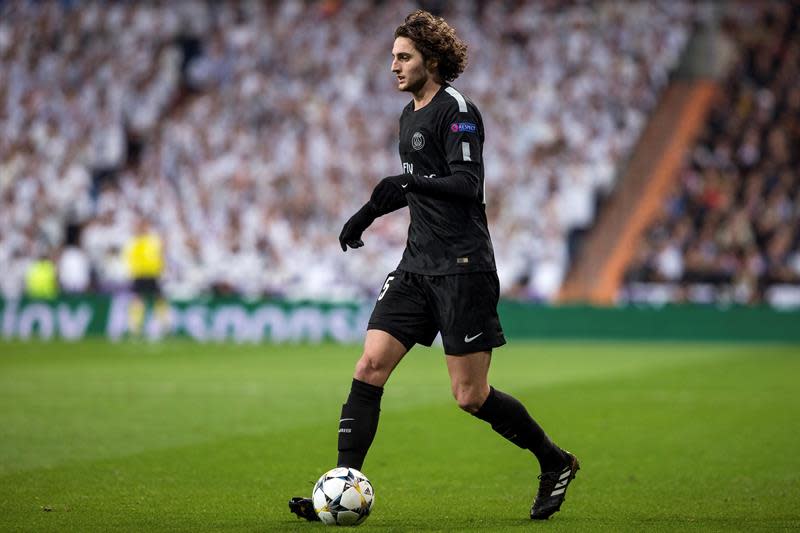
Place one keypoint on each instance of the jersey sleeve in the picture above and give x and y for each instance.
(462, 137)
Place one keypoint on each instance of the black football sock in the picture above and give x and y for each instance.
(510, 419)
(358, 423)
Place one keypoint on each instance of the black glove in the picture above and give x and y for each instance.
(353, 228)
(391, 191)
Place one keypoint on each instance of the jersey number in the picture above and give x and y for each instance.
(385, 287)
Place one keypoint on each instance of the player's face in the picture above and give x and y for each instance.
(409, 66)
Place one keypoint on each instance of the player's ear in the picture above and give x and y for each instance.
(432, 65)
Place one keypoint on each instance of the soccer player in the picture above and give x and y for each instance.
(144, 255)
(446, 281)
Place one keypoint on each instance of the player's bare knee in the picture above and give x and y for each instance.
(371, 369)
(468, 399)
(469, 404)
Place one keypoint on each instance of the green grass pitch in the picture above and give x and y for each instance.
(178, 436)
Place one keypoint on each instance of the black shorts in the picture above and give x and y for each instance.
(413, 308)
(148, 287)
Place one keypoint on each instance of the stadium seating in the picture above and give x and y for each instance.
(729, 232)
(249, 131)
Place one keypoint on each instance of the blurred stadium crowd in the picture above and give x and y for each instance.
(731, 229)
(247, 132)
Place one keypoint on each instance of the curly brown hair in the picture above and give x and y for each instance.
(435, 40)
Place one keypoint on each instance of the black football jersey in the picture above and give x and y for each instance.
(446, 235)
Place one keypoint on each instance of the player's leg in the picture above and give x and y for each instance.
(509, 418)
(359, 419)
(469, 379)
(467, 310)
(358, 422)
(137, 309)
(467, 307)
(401, 318)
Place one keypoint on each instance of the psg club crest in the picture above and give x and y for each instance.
(417, 141)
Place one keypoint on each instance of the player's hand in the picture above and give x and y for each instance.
(390, 190)
(355, 226)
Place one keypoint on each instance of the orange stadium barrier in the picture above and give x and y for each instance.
(653, 167)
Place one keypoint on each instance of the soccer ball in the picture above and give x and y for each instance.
(343, 497)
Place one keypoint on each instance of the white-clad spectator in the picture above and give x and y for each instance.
(74, 270)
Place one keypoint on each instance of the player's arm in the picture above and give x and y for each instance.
(390, 205)
(461, 134)
(364, 217)
(463, 184)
